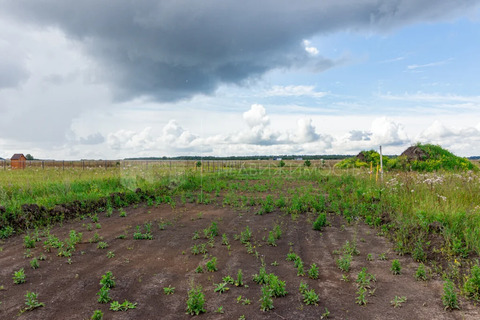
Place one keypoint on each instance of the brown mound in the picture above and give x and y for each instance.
(415, 153)
(361, 157)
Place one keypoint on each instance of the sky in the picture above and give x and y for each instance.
(131, 78)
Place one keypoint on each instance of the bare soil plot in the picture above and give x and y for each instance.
(142, 269)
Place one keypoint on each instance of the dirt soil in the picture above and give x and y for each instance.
(414, 153)
(142, 269)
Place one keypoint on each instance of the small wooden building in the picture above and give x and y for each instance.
(18, 161)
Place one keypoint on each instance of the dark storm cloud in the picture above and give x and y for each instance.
(169, 50)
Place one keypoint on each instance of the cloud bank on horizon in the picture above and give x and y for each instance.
(108, 78)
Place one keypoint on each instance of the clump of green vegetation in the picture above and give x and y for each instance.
(31, 301)
(169, 290)
(221, 287)
(320, 222)
(108, 280)
(426, 157)
(350, 248)
(363, 160)
(310, 297)
(196, 300)
(146, 235)
(433, 158)
(449, 298)
(266, 300)
(97, 315)
(19, 276)
(361, 298)
(95, 238)
(303, 287)
(471, 286)
(239, 281)
(397, 301)
(34, 263)
(396, 268)
(276, 285)
(211, 264)
(261, 277)
(271, 239)
(104, 295)
(364, 278)
(344, 262)
(421, 273)
(102, 245)
(313, 272)
(28, 241)
(124, 306)
(245, 235)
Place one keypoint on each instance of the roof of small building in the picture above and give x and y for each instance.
(17, 156)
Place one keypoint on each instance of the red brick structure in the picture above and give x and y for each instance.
(18, 161)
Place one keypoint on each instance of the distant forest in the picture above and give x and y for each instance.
(284, 157)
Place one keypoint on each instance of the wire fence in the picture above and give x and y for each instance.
(171, 165)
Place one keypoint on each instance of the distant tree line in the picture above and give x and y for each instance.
(233, 158)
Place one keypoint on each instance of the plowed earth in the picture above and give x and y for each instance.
(142, 269)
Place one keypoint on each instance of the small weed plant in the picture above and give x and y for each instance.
(449, 298)
(19, 276)
(108, 280)
(104, 295)
(31, 301)
(228, 279)
(124, 306)
(421, 273)
(320, 222)
(313, 272)
(34, 263)
(361, 298)
(221, 287)
(195, 300)
(396, 267)
(310, 297)
(28, 241)
(266, 300)
(97, 315)
(397, 301)
(146, 235)
(271, 239)
(102, 245)
(211, 265)
(169, 290)
(344, 262)
(245, 235)
(239, 282)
